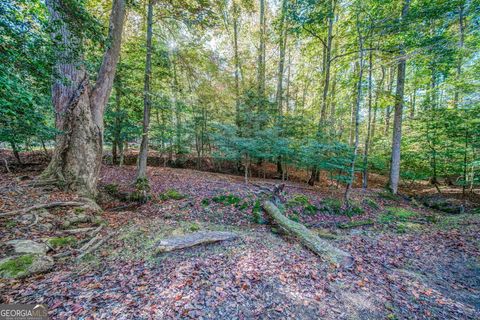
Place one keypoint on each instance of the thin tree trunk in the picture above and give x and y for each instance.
(143, 155)
(15, 152)
(367, 139)
(237, 64)
(375, 109)
(388, 111)
(281, 63)
(261, 52)
(118, 120)
(356, 115)
(397, 118)
(461, 31)
(76, 160)
(328, 52)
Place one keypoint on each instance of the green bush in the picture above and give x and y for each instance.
(294, 217)
(171, 194)
(227, 199)
(298, 200)
(62, 242)
(257, 212)
(371, 203)
(354, 224)
(396, 214)
(332, 205)
(111, 188)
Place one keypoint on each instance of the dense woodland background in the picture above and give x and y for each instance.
(308, 85)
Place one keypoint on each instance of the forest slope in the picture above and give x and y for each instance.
(410, 262)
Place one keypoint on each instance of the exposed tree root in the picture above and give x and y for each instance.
(95, 246)
(43, 206)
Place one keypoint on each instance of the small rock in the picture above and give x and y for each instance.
(41, 263)
(45, 214)
(28, 246)
(45, 227)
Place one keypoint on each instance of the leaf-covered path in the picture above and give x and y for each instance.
(418, 265)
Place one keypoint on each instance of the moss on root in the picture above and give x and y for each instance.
(16, 267)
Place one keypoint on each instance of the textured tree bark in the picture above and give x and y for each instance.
(76, 160)
(143, 155)
(397, 118)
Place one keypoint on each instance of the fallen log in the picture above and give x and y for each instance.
(309, 239)
(192, 239)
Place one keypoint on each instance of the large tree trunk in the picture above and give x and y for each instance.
(397, 118)
(77, 157)
(143, 155)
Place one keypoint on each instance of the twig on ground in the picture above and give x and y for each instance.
(6, 165)
(35, 221)
(96, 246)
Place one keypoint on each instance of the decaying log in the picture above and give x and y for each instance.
(192, 239)
(310, 240)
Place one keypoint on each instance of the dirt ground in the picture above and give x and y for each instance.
(420, 265)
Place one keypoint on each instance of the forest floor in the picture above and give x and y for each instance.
(410, 262)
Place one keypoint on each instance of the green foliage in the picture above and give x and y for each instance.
(294, 217)
(227, 199)
(171, 194)
(298, 200)
(387, 195)
(25, 72)
(396, 214)
(332, 206)
(16, 266)
(257, 213)
(353, 209)
(111, 188)
(142, 190)
(371, 203)
(62, 242)
(302, 201)
(356, 223)
(10, 224)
